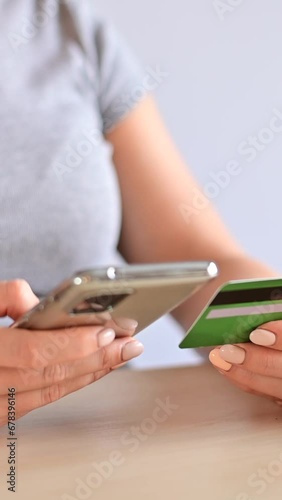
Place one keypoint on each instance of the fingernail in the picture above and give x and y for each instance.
(126, 323)
(132, 350)
(232, 354)
(105, 337)
(218, 362)
(263, 337)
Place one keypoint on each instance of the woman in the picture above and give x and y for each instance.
(90, 176)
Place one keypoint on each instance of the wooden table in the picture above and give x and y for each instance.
(166, 434)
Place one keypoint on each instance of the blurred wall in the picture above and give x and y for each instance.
(222, 101)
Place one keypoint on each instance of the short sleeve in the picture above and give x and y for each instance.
(121, 78)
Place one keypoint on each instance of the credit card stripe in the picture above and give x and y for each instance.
(244, 311)
(241, 296)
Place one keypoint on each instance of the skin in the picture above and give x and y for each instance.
(153, 230)
(258, 369)
(46, 366)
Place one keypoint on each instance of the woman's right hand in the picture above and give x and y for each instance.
(44, 366)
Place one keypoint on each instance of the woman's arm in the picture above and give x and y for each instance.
(165, 215)
(155, 184)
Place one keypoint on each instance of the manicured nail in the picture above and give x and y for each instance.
(106, 337)
(218, 362)
(126, 323)
(232, 354)
(263, 337)
(132, 350)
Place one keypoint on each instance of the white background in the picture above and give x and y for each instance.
(225, 79)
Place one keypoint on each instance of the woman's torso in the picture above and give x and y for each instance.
(60, 207)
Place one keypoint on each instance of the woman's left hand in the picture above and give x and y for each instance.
(255, 367)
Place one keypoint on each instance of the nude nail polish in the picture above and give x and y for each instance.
(132, 350)
(218, 362)
(263, 337)
(232, 354)
(126, 323)
(105, 337)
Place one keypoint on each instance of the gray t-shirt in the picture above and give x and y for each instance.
(65, 78)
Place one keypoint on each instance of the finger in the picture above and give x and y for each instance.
(253, 382)
(266, 386)
(28, 349)
(248, 390)
(105, 359)
(260, 360)
(22, 404)
(118, 366)
(123, 326)
(268, 335)
(16, 298)
(28, 401)
(245, 388)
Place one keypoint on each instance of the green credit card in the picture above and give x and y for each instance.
(235, 311)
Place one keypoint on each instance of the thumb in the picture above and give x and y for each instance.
(16, 298)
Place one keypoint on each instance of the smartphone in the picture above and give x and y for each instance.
(110, 296)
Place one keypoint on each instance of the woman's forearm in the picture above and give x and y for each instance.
(229, 269)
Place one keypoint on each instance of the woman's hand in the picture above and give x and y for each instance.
(255, 367)
(44, 366)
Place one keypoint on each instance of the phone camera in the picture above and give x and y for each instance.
(98, 303)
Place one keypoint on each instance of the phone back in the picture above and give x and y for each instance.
(111, 296)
